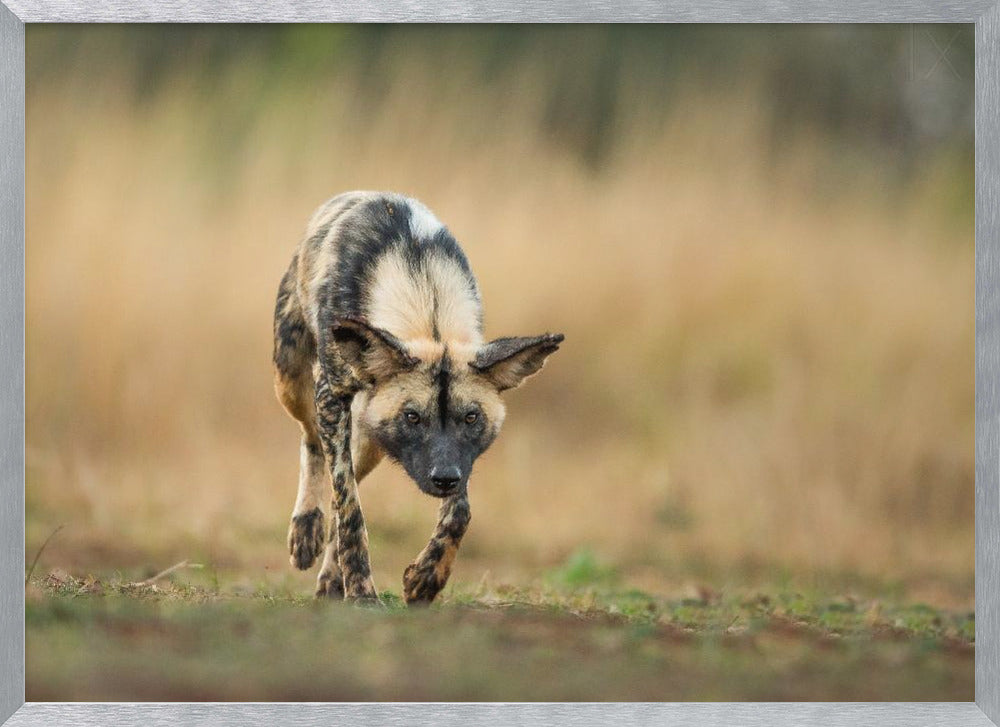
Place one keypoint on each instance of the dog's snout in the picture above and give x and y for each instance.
(446, 478)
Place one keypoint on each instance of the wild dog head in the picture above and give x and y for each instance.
(435, 408)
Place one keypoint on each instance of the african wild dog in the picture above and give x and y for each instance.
(378, 350)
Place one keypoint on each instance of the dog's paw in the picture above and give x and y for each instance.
(420, 584)
(363, 593)
(330, 585)
(306, 538)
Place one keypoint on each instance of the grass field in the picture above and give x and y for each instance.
(115, 640)
(748, 473)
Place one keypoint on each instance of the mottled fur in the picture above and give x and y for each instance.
(378, 350)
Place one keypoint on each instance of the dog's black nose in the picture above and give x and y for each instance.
(446, 478)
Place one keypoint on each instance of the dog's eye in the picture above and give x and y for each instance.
(471, 417)
(412, 417)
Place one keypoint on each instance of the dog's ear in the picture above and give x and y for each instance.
(372, 353)
(506, 362)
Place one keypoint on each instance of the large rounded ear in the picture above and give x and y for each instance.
(372, 353)
(506, 362)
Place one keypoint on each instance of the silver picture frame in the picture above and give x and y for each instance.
(985, 14)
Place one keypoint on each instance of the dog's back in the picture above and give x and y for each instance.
(386, 259)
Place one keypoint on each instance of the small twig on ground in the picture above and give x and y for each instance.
(168, 571)
(38, 555)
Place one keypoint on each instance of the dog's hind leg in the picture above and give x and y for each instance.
(306, 531)
(330, 583)
(294, 357)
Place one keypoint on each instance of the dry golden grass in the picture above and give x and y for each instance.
(768, 362)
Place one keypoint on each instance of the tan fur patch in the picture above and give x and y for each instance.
(400, 302)
(469, 387)
(387, 401)
(443, 567)
(425, 349)
(435, 302)
(458, 305)
(365, 453)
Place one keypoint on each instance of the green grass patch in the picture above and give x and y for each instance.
(90, 639)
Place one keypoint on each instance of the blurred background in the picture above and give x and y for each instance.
(757, 240)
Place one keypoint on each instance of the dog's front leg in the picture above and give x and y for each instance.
(333, 414)
(428, 574)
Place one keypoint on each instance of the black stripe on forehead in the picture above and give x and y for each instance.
(442, 381)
